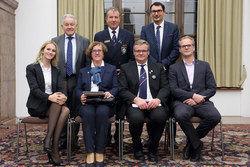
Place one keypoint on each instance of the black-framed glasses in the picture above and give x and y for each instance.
(156, 11)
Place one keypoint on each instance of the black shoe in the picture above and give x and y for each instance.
(53, 162)
(45, 148)
(152, 157)
(99, 164)
(196, 156)
(139, 155)
(187, 151)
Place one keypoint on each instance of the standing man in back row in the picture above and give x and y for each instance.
(72, 58)
(120, 50)
(163, 38)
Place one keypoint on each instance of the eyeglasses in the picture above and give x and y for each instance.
(158, 11)
(186, 46)
(95, 51)
(139, 51)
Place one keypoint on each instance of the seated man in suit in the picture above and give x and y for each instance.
(144, 87)
(192, 84)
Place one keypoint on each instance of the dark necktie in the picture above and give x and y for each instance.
(157, 36)
(143, 83)
(114, 38)
(69, 69)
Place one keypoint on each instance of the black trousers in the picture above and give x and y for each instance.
(207, 111)
(157, 116)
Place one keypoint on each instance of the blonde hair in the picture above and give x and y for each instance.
(187, 37)
(39, 57)
(92, 45)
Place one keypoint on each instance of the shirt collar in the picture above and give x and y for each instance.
(138, 64)
(162, 25)
(116, 30)
(43, 67)
(74, 36)
(188, 64)
(92, 64)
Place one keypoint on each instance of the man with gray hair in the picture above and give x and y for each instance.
(72, 58)
(144, 87)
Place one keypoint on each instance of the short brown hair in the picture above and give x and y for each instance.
(92, 45)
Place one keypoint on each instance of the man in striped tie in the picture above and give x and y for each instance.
(144, 87)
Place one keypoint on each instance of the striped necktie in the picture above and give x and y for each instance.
(143, 83)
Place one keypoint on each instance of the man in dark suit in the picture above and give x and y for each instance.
(120, 46)
(192, 84)
(144, 87)
(163, 38)
(120, 50)
(71, 56)
(163, 46)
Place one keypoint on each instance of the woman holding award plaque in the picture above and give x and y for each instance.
(99, 76)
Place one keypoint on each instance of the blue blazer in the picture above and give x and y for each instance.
(170, 46)
(108, 76)
(122, 52)
(203, 82)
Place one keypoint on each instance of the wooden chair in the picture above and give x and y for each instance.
(196, 120)
(29, 120)
(72, 121)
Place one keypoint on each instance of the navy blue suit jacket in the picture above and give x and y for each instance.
(122, 52)
(170, 46)
(108, 76)
(203, 82)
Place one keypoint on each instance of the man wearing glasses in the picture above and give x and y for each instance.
(163, 38)
(192, 84)
(144, 87)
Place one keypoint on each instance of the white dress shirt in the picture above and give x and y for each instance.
(47, 78)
